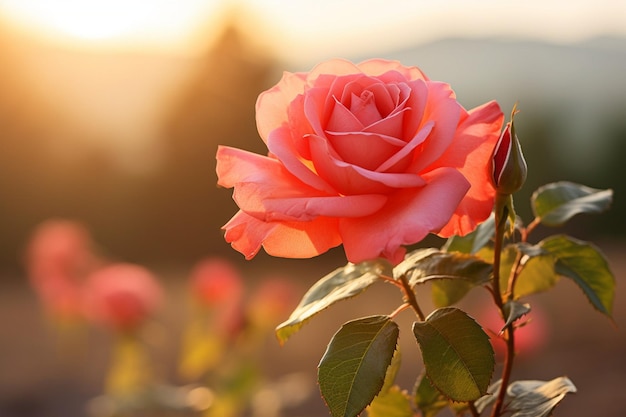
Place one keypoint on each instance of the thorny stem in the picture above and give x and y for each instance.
(497, 296)
(524, 232)
(473, 410)
(497, 254)
(409, 297)
(513, 277)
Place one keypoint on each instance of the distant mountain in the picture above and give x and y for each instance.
(578, 91)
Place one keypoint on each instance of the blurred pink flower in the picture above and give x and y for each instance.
(272, 302)
(58, 258)
(215, 282)
(122, 296)
(531, 333)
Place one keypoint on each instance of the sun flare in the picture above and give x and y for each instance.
(110, 22)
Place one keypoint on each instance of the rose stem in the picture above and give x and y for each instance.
(409, 297)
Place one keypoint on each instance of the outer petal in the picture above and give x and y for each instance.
(445, 111)
(281, 144)
(265, 190)
(382, 66)
(272, 105)
(236, 165)
(247, 234)
(269, 202)
(471, 152)
(406, 219)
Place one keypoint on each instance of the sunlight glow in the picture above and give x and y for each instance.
(309, 30)
(111, 22)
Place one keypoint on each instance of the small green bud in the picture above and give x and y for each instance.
(508, 167)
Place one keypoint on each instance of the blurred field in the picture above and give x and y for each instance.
(45, 376)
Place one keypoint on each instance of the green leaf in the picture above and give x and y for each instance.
(393, 403)
(428, 399)
(411, 260)
(528, 398)
(473, 242)
(458, 356)
(443, 265)
(556, 203)
(537, 273)
(537, 398)
(586, 266)
(513, 311)
(353, 369)
(392, 371)
(341, 284)
(453, 274)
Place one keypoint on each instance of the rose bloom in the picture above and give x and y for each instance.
(272, 301)
(216, 282)
(122, 296)
(58, 258)
(373, 155)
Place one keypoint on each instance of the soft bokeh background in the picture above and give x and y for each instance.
(111, 112)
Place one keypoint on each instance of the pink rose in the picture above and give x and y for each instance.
(216, 282)
(58, 258)
(122, 295)
(373, 155)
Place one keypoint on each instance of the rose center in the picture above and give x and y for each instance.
(363, 107)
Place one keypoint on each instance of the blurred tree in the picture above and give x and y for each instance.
(185, 207)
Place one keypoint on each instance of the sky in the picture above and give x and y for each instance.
(308, 29)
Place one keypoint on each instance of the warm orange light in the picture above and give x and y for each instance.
(111, 22)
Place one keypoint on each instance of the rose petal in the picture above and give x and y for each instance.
(407, 218)
(416, 98)
(350, 179)
(471, 151)
(389, 126)
(271, 203)
(236, 165)
(280, 143)
(271, 105)
(366, 150)
(442, 108)
(394, 163)
(364, 108)
(384, 69)
(343, 120)
(247, 234)
(387, 97)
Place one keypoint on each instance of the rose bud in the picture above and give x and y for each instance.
(508, 165)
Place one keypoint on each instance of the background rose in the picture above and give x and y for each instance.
(122, 296)
(373, 155)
